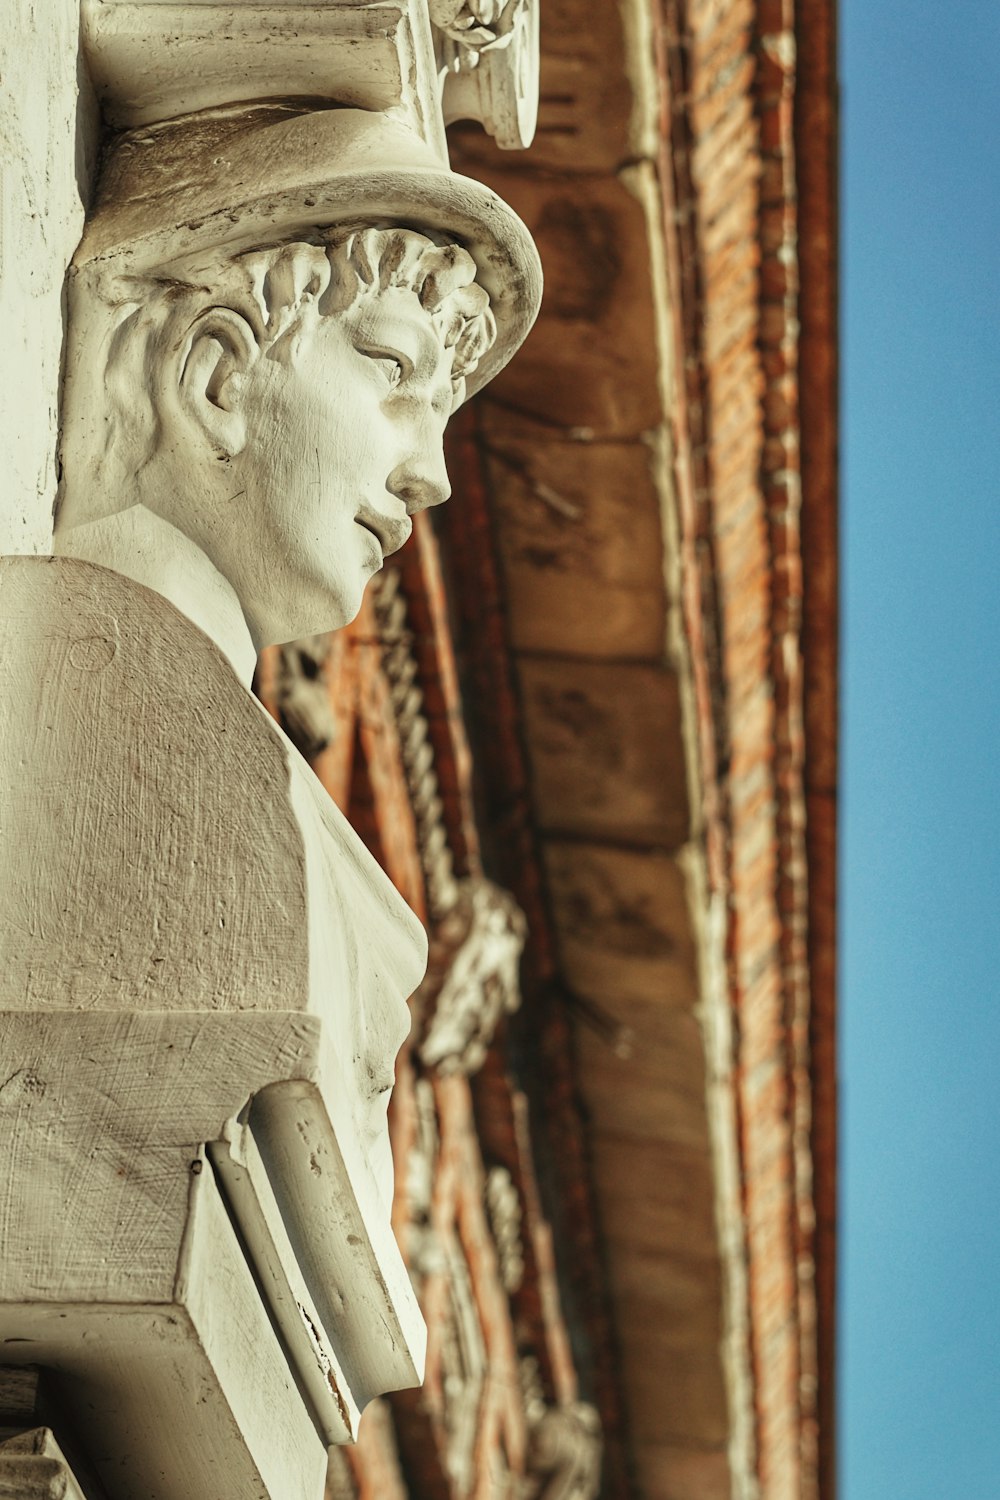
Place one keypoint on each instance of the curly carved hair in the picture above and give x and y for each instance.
(283, 292)
(290, 285)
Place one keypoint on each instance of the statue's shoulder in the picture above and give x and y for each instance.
(85, 621)
(139, 780)
(73, 627)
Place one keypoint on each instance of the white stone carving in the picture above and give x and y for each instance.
(272, 313)
(199, 865)
(490, 66)
(564, 1456)
(355, 347)
(303, 697)
(473, 977)
(503, 1208)
(422, 1241)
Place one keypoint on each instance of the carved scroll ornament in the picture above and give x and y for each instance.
(489, 54)
(473, 977)
(564, 1458)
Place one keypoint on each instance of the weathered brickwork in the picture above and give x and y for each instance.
(816, 169)
(733, 77)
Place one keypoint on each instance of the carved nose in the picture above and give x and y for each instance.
(420, 482)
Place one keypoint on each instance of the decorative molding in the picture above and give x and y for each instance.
(407, 698)
(302, 695)
(503, 1208)
(464, 1369)
(490, 65)
(478, 930)
(423, 1255)
(472, 977)
(441, 1272)
(564, 1456)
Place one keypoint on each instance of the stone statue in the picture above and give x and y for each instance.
(273, 313)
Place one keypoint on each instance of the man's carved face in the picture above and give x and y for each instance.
(284, 410)
(344, 444)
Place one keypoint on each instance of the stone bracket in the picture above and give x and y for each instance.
(127, 1276)
(151, 61)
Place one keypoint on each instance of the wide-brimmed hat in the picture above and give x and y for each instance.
(237, 180)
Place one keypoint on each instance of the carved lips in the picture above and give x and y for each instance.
(389, 531)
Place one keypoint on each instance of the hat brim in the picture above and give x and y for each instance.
(235, 182)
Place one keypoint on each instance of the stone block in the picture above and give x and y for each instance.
(686, 1405)
(606, 753)
(582, 546)
(591, 361)
(655, 1196)
(680, 1473)
(657, 1091)
(624, 925)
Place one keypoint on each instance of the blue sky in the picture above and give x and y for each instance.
(920, 987)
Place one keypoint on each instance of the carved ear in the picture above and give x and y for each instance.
(219, 351)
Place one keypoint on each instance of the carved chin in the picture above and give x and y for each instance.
(323, 605)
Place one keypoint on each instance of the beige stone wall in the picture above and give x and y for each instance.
(47, 138)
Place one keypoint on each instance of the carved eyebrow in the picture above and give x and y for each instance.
(379, 350)
(415, 341)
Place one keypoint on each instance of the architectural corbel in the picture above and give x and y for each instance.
(472, 980)
(430, 63)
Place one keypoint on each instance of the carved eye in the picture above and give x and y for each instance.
(390, 365)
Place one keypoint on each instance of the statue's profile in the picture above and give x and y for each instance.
(272, 315)
(272, 384)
